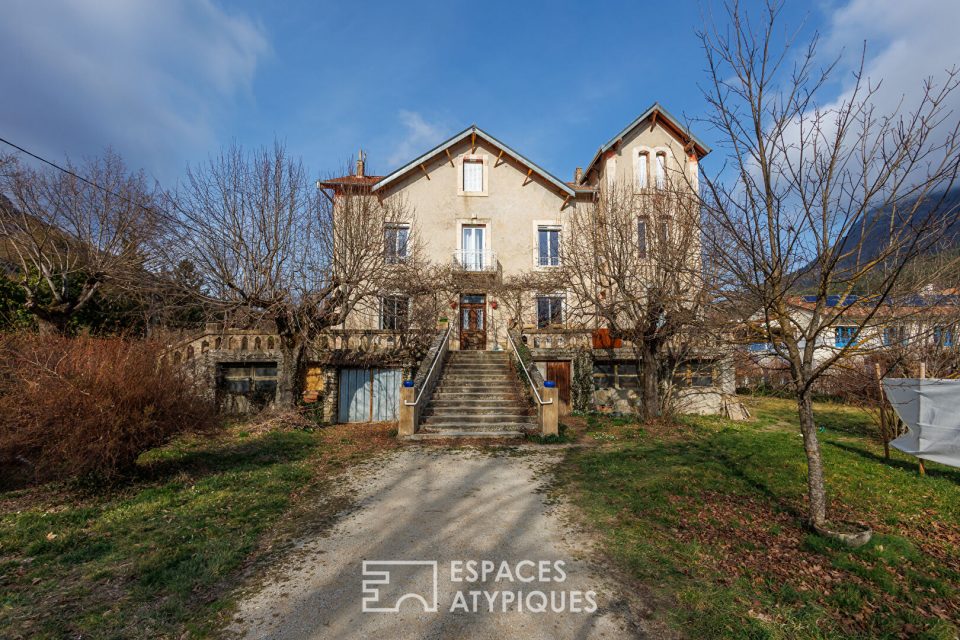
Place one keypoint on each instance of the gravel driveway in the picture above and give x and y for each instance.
(449, 506)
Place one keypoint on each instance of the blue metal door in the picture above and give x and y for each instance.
(369, 395)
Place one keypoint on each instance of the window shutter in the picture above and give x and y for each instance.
(472, 176)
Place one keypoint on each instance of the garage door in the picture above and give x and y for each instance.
(369, 395)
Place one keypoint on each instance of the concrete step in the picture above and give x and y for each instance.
(473, 402)
(473, 391)
(467, 427)
(467, 435)
(463, 418)
(476, 408)
(479, 355)
(493, 385)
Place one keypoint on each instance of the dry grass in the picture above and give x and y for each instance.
(89, 406)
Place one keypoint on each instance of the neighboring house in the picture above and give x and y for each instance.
(919, 324)
(490, 212)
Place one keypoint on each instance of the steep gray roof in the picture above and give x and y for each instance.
(474, 129)
(663, 113)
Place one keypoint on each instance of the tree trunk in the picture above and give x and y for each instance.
(290, 372)
(52, 324)
(815, 485)
(650, 383)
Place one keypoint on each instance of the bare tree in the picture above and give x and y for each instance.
(272, 246)
(633, 263)
(66, 235)
(809, 186)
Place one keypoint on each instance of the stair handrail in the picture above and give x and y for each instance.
(527, 373)
(436, 358)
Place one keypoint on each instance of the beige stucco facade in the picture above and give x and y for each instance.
(510, 200)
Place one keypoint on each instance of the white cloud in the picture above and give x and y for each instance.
(419, 136)
(152, 79)
(906, 43)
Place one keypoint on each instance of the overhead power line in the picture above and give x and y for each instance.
(86, 181)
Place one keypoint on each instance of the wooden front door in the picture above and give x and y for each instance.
(473, 322)
(559, 372)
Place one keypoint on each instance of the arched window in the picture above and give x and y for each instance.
(244, 344)
(661, 170)
(176, 357)
(190, 352)
(256, 343)
(204, 346)
(270, 342)
(643, 169)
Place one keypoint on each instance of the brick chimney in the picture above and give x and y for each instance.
(578, 175)
(360, 163)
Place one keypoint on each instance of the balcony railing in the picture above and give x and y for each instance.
(545, 259)
(475, 260)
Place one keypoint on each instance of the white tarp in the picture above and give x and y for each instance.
(931, 410)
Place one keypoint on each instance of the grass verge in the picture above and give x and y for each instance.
(157, 557)
(707, 515)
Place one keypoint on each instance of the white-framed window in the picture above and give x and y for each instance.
(394, 313)
(396, 239)
(611, 172)
(643, 169)
(473, 254)
(549, 311)
(473, 175)
(548, 246)
(643, 235)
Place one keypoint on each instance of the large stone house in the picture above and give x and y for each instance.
(491, 213)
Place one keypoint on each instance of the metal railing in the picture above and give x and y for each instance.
(442, 351)
(475, 260)
(527, 373)
(545, 259)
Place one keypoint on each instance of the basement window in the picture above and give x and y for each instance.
(258, 378)
(615, 375)
(695, 374)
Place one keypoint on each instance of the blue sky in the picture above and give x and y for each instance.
(166, 83)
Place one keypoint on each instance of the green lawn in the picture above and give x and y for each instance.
(706, 516)
(158, 556)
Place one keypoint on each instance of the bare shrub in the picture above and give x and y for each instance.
(88, 406)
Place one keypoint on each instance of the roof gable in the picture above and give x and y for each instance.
(473, 130)
(673, 125)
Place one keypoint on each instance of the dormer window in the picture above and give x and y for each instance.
(473, 176)
(661, 170)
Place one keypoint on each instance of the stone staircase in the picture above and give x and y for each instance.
(477, 396)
